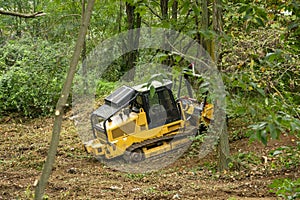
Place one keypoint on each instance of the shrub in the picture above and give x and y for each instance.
(31, 76)
(286, 188)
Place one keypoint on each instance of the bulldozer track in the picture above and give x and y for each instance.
(187, 131)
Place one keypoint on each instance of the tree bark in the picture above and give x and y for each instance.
(223, 150)
(134, 21)
(164, 9)
(198, 25)
(130, 56)
(83, 52)
(204, 23)
(175, 10)
(217, 26)
(42, 182)
(223, 146)
(119, 17)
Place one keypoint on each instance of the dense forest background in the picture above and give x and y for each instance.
(255, 44)
(258, 52)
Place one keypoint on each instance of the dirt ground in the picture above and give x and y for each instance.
(76, 175)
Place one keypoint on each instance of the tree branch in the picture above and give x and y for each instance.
(23, 15)
(153, 12)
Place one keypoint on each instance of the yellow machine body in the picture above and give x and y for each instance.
(128, 132)
(136, 125)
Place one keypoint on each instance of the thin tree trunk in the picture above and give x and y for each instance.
(198, 25)
(134, 21)
(175, 10)
(204, 22)
(223, 150)
(217, 26)
(223, 146)
(164, 8)
(137, 33)
(119, 18)
(47, 169)
(130, 43)
(19, 19)
(83, 53)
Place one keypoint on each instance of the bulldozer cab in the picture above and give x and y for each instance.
(160, 108)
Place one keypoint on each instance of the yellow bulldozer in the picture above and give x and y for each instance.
(146, 120)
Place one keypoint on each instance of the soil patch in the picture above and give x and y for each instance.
(76, 175)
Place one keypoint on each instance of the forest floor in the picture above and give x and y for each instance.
(76, 175)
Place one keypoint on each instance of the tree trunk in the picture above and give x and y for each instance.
(198, 25)
(217, 26)
(223, 146)
(164, 9)
(119, 17)
(42, 182)
(175, 10)
(204, 23)
(137, 33)
(134, 21)
(211, 46)
(130, 56)
(83, 53)
(165, 18)
(223, 150)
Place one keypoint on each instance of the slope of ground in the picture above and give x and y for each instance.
(76, 175)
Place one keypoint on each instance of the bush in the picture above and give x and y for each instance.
(104, 88)
(31, 75)
(286, 188)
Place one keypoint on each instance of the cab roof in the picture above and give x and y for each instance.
(124, 95)
(156, 84)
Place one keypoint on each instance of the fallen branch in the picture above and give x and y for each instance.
(23, 15)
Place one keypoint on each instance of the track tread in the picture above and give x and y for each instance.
(185, 133)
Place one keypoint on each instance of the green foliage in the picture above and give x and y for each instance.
(285, 157)
(260, 65)
(252, 15)
(263, 71)
(112, 73)
(136, 176)
(286, 188)
(242, 160)
(104, 88)
(274, 125)
(31, 76)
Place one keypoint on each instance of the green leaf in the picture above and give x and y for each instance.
(276, 152)
(266, 101)
(243, 8)
(258, 135)
(259, 21)
(264, 138)
(261, 91)
(271, 57)
(273, 131)
(294, 126)
(152, 91)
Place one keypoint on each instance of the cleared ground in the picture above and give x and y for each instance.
(76, 175)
